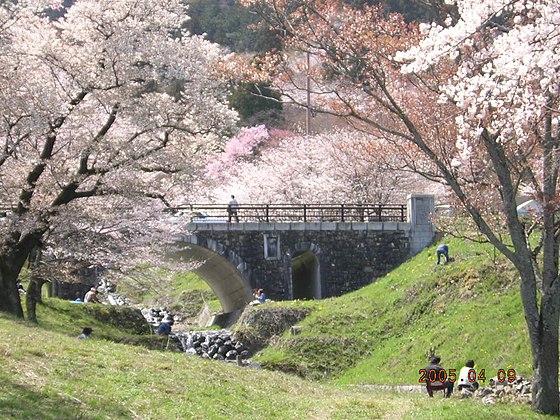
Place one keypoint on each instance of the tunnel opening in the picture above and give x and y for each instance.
(306, 282)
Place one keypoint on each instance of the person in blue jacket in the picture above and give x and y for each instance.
(442, 250)
(164, 329)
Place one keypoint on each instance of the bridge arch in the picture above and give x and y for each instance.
(223, 270)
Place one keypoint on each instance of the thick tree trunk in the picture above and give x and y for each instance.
(9, 295)
(15, 251)
(545, 376)
(546, 396)
(35, 284)
(33, 297)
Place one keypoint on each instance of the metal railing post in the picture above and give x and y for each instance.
(342, 212)
(266, 213)
(304, 213)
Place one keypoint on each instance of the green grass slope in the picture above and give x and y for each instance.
(47, 373)
(383, 333)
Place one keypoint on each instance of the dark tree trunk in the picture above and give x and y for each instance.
(9, 295)
(15, 251)
(542, 324)
(546, 397)
(545, 377)
(33, 297)
(35, 284)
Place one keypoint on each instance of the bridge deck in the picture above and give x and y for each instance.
(296, 226)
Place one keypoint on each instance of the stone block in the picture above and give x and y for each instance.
(328, 226)
(344, 226)
(466, 393)
(360, 226)
(489, 400)
(283, 226)
(266, 227)
(375, 226)
(390, 226)
(251, 226)
(404, 227)
(316, 226)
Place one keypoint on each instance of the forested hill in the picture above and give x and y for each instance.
(227, 23)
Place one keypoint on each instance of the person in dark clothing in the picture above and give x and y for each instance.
(86, 333)
(437, 385)
(164, 329)
(442, 250)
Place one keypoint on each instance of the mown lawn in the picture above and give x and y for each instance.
(52, 375)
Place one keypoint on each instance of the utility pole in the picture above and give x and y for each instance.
(308, 89)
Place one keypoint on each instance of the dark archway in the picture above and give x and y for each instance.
(306, 279)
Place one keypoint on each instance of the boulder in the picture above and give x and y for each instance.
(489, 400)
(467, 393)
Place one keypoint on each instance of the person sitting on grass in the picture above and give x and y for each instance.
(21, 289)
(258, 297)
(91, 296)
(86, 333)
(432, 386)
(464, 380)
(261, 297)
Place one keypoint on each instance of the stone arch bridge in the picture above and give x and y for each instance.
(303, 252)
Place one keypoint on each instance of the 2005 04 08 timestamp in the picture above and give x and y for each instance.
(442, 375)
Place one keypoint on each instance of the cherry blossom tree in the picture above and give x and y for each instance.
(93, 146)
(471, 102)
(243, 146)
(338, 167)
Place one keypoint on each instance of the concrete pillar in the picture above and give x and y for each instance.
(420, 210)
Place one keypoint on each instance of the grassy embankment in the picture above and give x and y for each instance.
(383, 333)
(48, 373)
(470, 308)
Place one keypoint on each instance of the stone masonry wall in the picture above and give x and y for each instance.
(348, 259)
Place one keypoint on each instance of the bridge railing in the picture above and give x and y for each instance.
(272, 213)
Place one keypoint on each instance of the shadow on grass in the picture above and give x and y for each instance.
(21, 402)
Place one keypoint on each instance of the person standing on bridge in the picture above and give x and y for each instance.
(232, 209)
